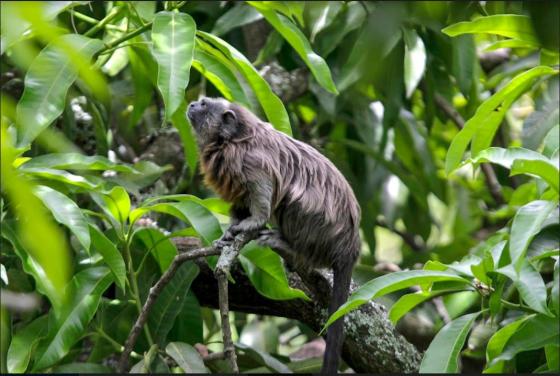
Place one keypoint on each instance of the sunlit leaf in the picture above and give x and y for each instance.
(173, 47)
(388, 283)
(409, 301)
(497, 343)
(46, 83)
(23, 344)
(111, 255)
(75, 161)
(414, 60)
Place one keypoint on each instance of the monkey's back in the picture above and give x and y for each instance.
(314, 207)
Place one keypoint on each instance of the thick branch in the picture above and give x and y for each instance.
(371, 345)
(490, 177)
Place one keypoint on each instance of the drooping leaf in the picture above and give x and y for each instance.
(180, 121)
(46, 83)
(414, 60)
(162, 249)
(526, 224)
(264, 359)
(530, 285)
(116, 203)
(186, 356)
(507, 25)
(66, 212)
(238, 15)
(271, 104)
(173, 36)
(543, 169)
(488, 116)
(389, 283)
(299, 42)
(443, 353)
(110, 254)
(497, 343)
(74, 161)
(23, 344)
(170, 301)
(85, 290)
(266, 272)
(89, 184)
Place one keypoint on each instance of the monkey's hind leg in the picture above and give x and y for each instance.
(275, 240)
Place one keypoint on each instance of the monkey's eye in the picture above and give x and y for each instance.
(203, 103)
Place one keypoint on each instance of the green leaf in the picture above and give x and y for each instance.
(299, 42)
(23, 344)
(162, 249)
(116, 203)
(497, 343)
(43, 283)
(266, 272)
(238, 15)
(507, 25)
(271, 104)
(188, 326)
(190, 148)
(80, 368)
(90, 184)
(74, 161)
(389, 283)
(66, 212)
(186, 356)
(220, 73)
(409, 301)
(86, 289)
(552, 353)
(173, 36)
(530, 285)
(189, 211)
(110, 254)
(263, 358)
(170, 301)
(443, 353)
(141, 63)
(483, 125)
(414, 60)
(526, 224)
(555, 291)
(46, 83)
(543, 169)
(536, 332)
(464, 62)
(537, 125)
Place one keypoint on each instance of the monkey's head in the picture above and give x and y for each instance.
(214, 120)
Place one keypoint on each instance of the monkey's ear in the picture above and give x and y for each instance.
(229, 117)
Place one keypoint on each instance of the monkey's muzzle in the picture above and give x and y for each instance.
(196, 112)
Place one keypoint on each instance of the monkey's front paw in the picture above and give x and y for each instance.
(245, 226)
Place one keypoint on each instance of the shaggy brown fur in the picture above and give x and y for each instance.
(270, 177)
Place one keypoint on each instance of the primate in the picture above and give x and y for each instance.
(270, 177)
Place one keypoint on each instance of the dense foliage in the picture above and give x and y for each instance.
(99, 173)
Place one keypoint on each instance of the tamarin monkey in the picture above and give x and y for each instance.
(270, 177)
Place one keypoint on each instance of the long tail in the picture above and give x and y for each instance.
(342, 276)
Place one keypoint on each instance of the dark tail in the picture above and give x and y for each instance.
(335, 333)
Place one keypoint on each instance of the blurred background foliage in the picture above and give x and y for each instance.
(99, 172)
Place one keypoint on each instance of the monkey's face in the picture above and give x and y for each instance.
(212, 119)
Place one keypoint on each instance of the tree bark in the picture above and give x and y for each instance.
(371, 345)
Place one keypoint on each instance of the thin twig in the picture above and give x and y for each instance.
(491, 180)
(153, 295)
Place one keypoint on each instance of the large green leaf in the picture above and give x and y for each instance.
(65, 211)
(409, 301)
(116, 203)
(299, 42)
(526, 224)
(264, 359)
(534, 333)
(170, 301)
(90, 184)
(391, 282)
(483, 125)
(142, 67)
(75, 161)
(497, 343)
(238, 15)
(539, 123)
(266, 272)
(189, 211)
(81, 368)
(110, 254)
(23, 344)
(414, 60)
(162, 249)
(507, 25)
(173, 36)
(186, 356)
(543, 169)
(443, 353)
(50, 75)
(530, 285)
(271, 104)
(219, 72)
(190, 148)
(85, 290)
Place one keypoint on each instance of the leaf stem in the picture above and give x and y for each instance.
(114, 12)
(517, 307)
(85, 18)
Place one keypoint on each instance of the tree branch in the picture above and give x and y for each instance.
(490, 177)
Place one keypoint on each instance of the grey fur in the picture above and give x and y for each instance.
(270, 177)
